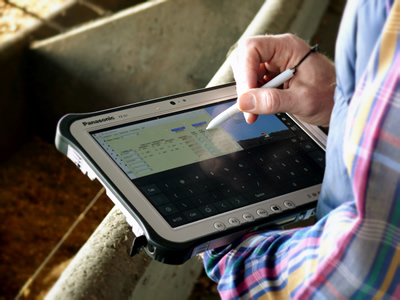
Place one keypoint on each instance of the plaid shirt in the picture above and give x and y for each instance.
(353, 251)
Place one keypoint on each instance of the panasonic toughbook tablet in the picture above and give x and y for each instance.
(185, 189)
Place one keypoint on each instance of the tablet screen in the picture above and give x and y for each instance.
(189, 173)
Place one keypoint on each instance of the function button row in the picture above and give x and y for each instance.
(249, 217)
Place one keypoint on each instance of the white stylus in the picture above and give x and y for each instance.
(277, 81)
(234, 109)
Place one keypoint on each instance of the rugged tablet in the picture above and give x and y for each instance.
(185, 189)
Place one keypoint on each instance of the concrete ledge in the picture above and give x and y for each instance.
(103, 269)
(98, 270)
(172, 282)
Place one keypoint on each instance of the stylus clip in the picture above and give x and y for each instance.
(315, 48)
(138, 244)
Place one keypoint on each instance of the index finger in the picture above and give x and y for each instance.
(265, 55)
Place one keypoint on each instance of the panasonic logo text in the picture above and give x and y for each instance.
(98, 121)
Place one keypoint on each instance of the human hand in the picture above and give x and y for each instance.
(308, 94)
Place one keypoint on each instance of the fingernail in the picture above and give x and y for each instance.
(247, 102)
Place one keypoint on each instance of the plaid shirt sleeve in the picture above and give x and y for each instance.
(354, 251)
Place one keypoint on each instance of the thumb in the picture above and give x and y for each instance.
(263, 101)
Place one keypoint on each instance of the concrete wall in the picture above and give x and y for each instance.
(151, 50)
(16, 103)
(13, 108)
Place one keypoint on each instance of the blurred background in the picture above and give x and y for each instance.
(41, 194)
